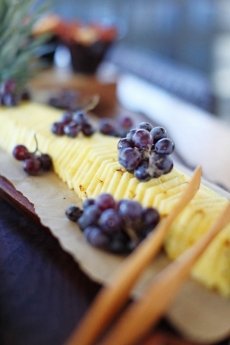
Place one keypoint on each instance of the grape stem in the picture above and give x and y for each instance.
(92, 103)
(36, 143)
(133, 236)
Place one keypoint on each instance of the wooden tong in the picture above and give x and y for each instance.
(165, 285)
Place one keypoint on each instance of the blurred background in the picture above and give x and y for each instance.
(182, 46)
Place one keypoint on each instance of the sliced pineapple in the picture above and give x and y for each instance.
(90, 166)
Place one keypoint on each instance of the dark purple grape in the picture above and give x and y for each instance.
(80, 118)
(145, 125)
(46, 162)
(142, 139)
(96, 237)
(20, 152)
(73, 213)
(87, 129)
(130, 211)
(90, 217)
(105, 201)
(9, 100)
(126, 123)
(130, 158)
(164, 146)
(110, 221)
(162, 163)
(123, 144)
(142, 172)
(32, 165)
(107, 127)
(71, 130)
(130, 134)
(57, 128)
(67, 117)
(119, 243)
(158, 133)
(150, 218)
(87, 203)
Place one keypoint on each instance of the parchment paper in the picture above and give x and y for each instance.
(201, 315)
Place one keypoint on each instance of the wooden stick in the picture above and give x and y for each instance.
(110, 300)
(142, 315)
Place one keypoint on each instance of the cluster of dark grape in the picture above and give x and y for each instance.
(9, 95)
(72, 123)
(35, 162)
(114, 226)
(145, 152)
(65, 99)
(118, 128)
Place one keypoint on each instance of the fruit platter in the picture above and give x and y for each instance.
(111, 193)
(103, 176)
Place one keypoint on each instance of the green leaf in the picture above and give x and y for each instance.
(18, 49)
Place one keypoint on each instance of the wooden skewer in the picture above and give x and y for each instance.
(142, 315)
(110, 300)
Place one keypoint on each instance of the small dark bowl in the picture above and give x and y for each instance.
(87, 58)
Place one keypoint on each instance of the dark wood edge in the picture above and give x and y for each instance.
(9, 193)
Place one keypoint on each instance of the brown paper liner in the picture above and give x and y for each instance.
(199, 314)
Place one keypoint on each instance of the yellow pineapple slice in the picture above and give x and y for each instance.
(90, 166)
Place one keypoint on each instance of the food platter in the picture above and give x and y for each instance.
(45, 199)
(42, 200)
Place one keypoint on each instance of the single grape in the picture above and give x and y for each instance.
(96, 237)
(67, 117)
(110, 221)
(164, 146)
(130, 158)
(142, 139)
(119, 243)
(73, 213)
(46, 162)
(87, 203)
(162, 163)
(145, 125)
(57, 128)
(89, 217)
(107, 127)
(87, 129)
(126, 122)
(71, 130)
(80, 118)
(150, 218)
(142, 172)
(158, 133)
(130, 211)
(105, 201)
(123, 144)
(32, 165)
(20, 152)
(130, 134)
(9, 100)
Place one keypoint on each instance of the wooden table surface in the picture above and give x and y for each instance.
(43, 292)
